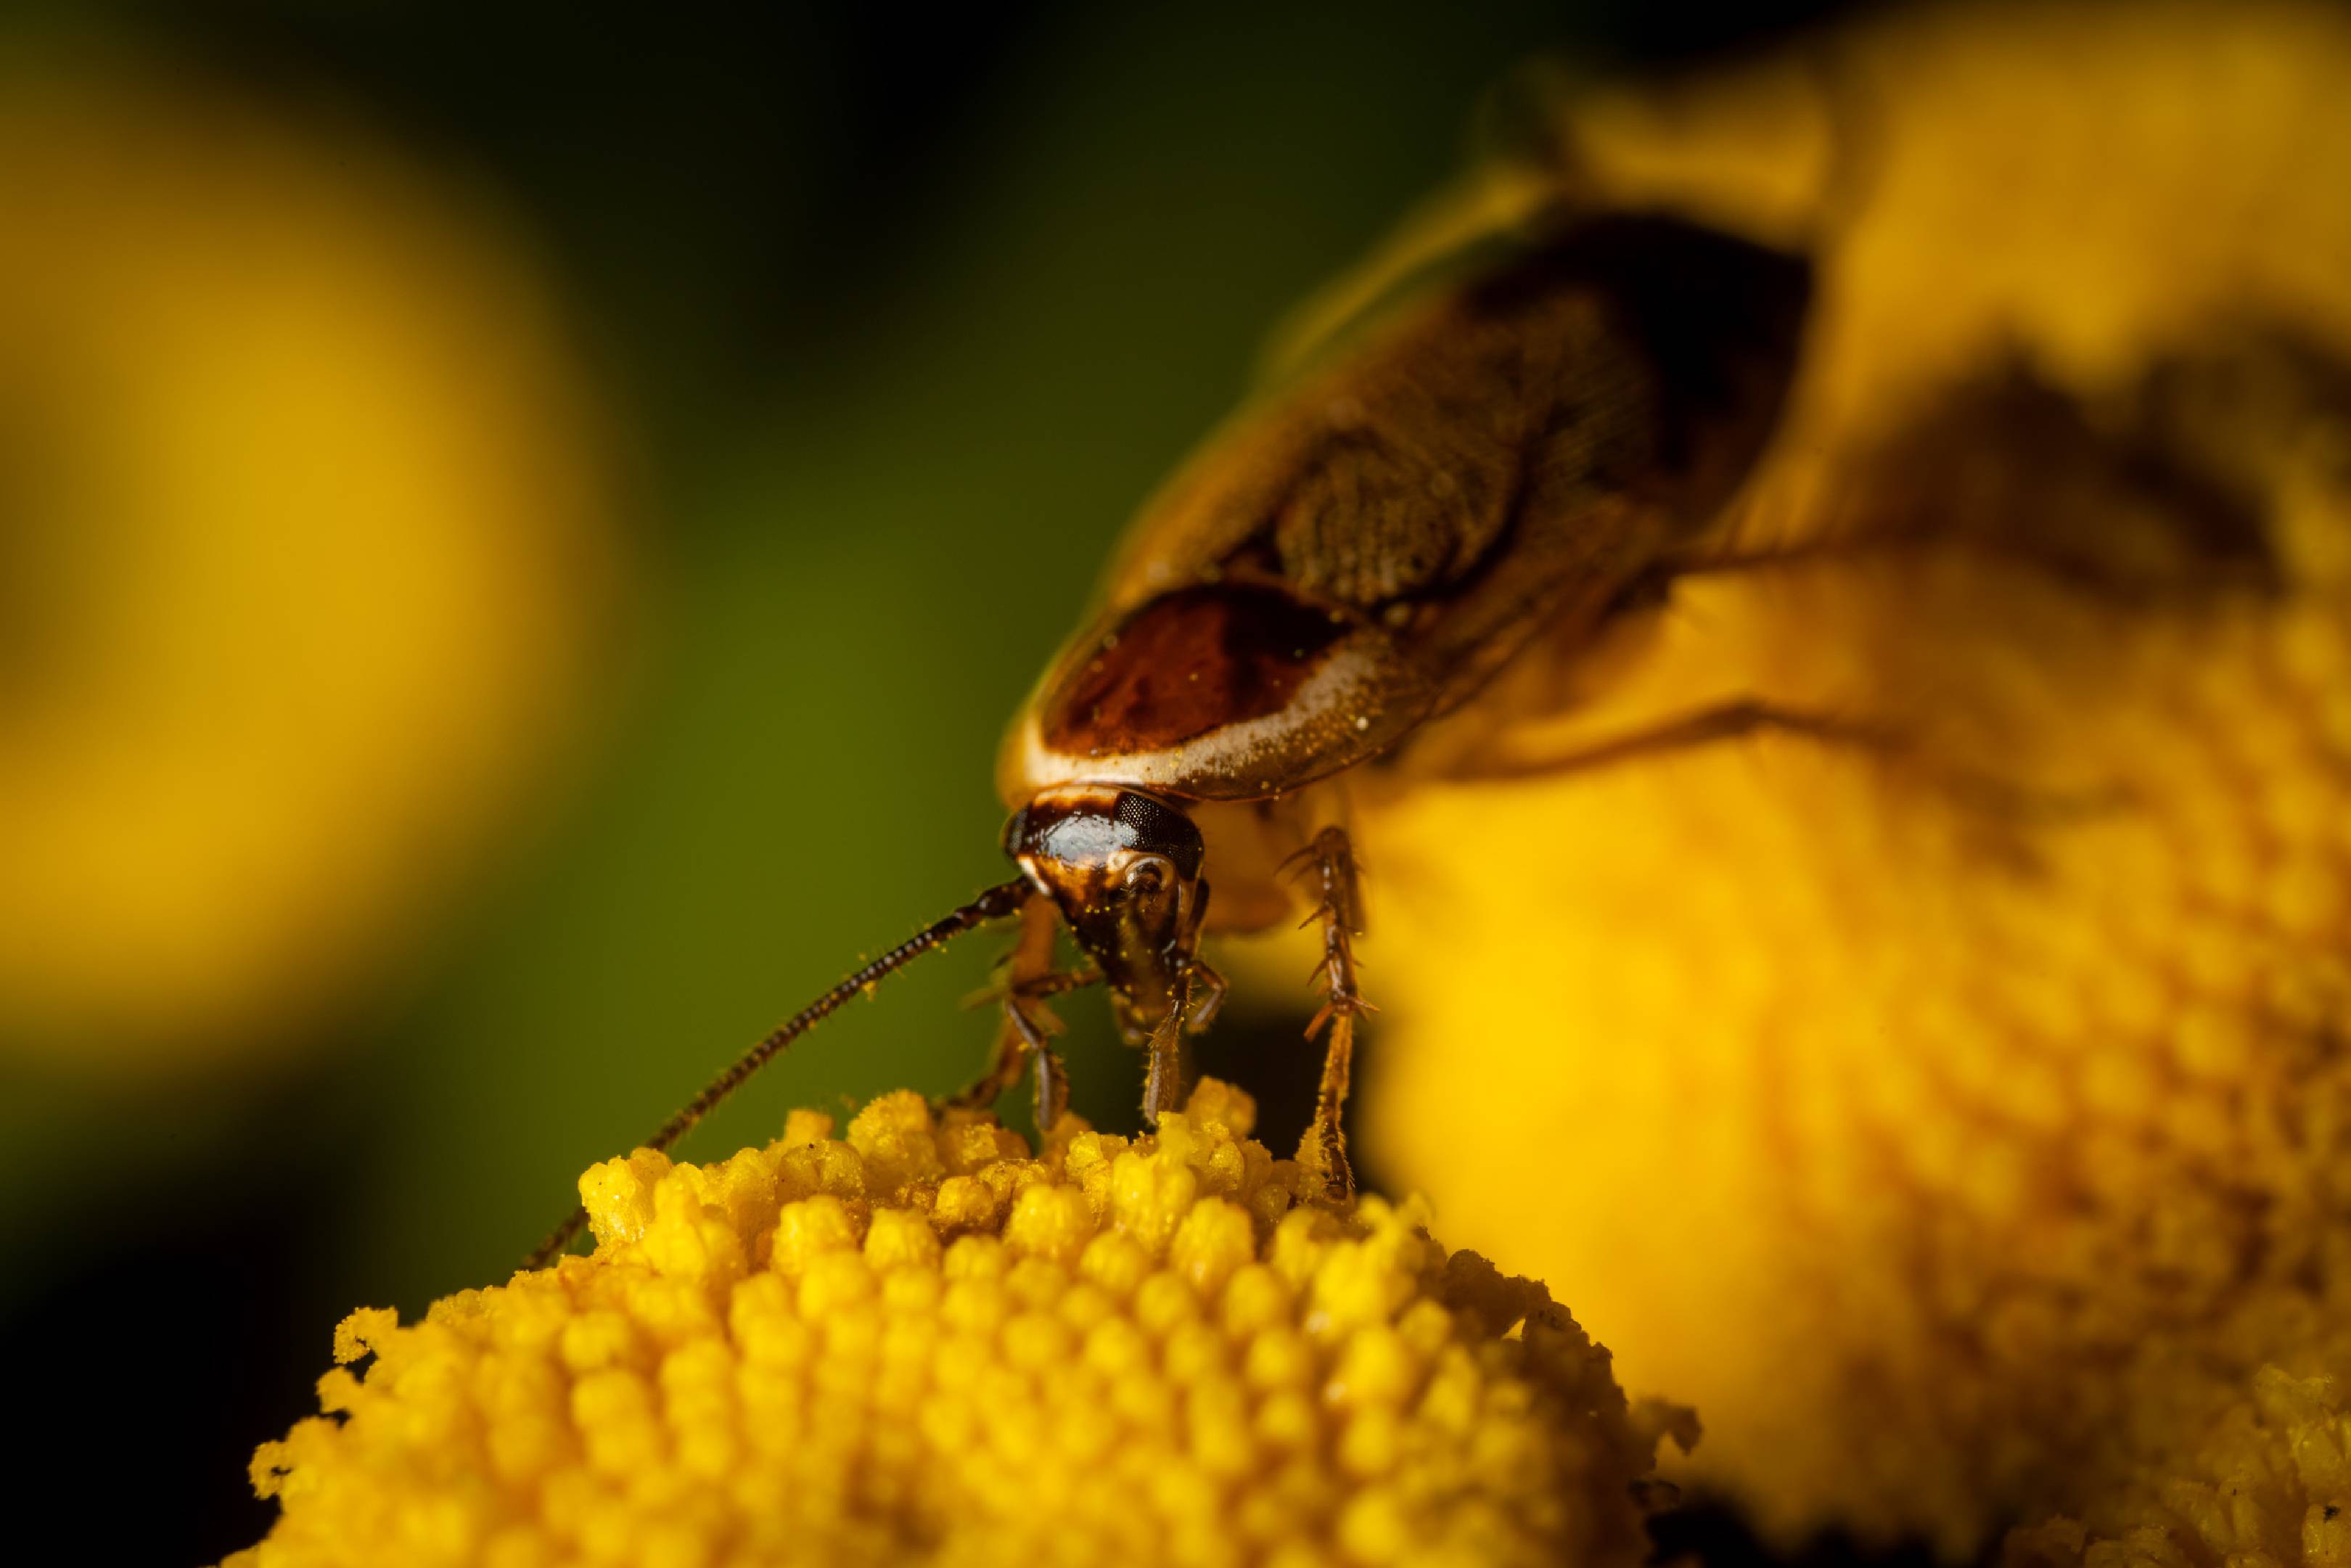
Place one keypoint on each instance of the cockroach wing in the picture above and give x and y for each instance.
(1362, 546)
(1520, 186)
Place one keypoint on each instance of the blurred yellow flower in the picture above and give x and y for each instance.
(919, 1342)
(303, 533)
(1973, 1114)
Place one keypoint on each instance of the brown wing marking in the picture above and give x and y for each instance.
(1186, 662)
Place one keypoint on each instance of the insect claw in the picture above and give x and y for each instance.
(1033, 1034)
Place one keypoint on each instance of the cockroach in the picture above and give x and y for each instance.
(1533, 444)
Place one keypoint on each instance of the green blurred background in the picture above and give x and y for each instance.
(891, 319)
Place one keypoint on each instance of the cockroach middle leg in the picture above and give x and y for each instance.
(1994, 798)
(1725, 721)
(1327, 866)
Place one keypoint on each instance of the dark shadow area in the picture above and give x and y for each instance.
(1266, 1051)
(1710, 1532)
(167, 1335)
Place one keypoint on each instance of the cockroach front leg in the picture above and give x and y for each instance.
(1050, 1083)
(1208, 999)
(1165, 1081)
(1026, 1035)
(1327, 867)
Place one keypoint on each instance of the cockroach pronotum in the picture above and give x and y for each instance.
(1537, 445)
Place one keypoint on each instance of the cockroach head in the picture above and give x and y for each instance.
(1123, 867)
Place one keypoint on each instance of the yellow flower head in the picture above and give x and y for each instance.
(919, 1341)
(307, 539)
(1995, 1071)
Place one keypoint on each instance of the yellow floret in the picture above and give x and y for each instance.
(921, 1342)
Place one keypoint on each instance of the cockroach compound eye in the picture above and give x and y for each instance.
(1528, 449)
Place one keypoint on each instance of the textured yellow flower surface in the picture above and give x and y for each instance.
(919, 1343)
(2268, 1486)
(1969, 1096)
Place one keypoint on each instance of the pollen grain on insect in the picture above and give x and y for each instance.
(1363, 722)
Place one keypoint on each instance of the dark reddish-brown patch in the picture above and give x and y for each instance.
(1186, 662)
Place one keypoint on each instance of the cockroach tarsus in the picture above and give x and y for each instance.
(1530, 450)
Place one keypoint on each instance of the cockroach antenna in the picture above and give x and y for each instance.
(997, 903)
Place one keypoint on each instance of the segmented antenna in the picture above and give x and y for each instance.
(997, 903)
